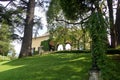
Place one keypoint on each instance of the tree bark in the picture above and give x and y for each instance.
(117, 23)
(112, 27)
(27, 39)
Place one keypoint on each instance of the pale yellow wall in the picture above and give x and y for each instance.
(36, 42)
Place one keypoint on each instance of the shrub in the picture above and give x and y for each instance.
(74, 51)
(45, 45)
(113, 51)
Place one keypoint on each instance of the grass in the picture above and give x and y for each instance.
(47, 67)
(111, 70)
(54, 67)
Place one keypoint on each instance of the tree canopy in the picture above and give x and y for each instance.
(4, 38)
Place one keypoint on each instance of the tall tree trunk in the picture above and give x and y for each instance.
(84, 47)
(112, 27)
(27, 39)
(117, 23)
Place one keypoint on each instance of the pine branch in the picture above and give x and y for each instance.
(74, 23)
(8, 3)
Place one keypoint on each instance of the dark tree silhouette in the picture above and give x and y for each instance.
(27, 39)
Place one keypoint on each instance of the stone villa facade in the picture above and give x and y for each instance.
(36, 42)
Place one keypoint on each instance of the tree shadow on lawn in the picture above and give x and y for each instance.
(50, 67)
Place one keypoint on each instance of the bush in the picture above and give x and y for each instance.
(74, 51)
(109, 51)
(113, 51)
(45, 45)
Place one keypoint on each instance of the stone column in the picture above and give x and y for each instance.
(95, 75)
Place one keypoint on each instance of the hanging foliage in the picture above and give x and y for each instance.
(97, 29)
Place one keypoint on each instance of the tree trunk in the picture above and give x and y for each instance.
(112, 27)
(78, 44)
(84, 47)
(117, 23)
(27, 39)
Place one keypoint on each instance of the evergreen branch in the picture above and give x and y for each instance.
(24, 1)
(8, 3)
(74, 23)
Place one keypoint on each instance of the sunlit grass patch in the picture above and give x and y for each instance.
(8, 67)
(47, 67)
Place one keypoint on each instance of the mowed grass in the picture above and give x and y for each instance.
(47, 67)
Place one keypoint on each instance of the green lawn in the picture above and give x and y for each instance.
(47, 67)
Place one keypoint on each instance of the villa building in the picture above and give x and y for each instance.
(36, 42)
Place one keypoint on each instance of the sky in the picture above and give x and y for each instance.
(39, 12)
